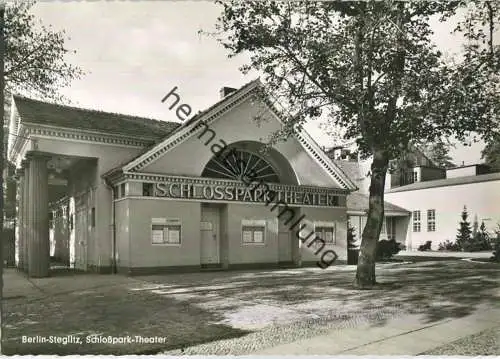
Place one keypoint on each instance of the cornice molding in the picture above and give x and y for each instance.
(156, 178)
(184, 134)
(86, 135)
(263, 204)
(316, 153)
(20, 139)
(364, 213)
(31, 131)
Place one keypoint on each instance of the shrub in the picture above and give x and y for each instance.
(478, 243)
(351, 237)
(352, 249)
(449, 246)
(496, 246)
(425, 247)
(496, 250)
(464, 230)
(386, 249)
(484, 237)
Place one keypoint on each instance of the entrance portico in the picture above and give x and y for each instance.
(60, 154)
(43, 179)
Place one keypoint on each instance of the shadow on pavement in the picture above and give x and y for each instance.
(196, 308)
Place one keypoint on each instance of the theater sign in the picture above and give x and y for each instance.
(257, 192)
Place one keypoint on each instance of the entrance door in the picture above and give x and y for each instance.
(209, 237)
(81, 232)
(285, 247)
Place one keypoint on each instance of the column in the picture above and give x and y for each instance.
(39, 244)
(296, 242)
(296, 252)
(20, 219)
(26, 219)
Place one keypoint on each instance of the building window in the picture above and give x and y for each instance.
(92, 217)
(147, 189)
(236, 164)
(326, 233)
(166, 231)
(122, 190)
(410, 177)
(116, 195)
(253, 231)
(431, 220)
(416, 221)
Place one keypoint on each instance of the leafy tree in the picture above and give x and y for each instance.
(35, 55)
(34, 66)
(372, 69)
(464, 231)
(491, 153)
(438, 153)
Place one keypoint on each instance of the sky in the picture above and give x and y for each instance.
(135, 52)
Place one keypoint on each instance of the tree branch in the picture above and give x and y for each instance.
(397, 67)
(311, 78)
(492, 26)
(23, 61)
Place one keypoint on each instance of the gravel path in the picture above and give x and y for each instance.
(282, 334)
(486, 342)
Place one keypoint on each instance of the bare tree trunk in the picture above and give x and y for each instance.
(2, 111)
(365, 274)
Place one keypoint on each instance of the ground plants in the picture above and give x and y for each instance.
(449, 246)
(387, 249)
(496, 246)
(425, 247)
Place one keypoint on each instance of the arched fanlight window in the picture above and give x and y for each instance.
(239, 164)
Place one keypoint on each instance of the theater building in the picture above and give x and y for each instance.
(114, 193)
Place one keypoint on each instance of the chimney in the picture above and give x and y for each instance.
(225, 91)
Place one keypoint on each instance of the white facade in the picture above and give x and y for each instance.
(438, 200)
(481, 197)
